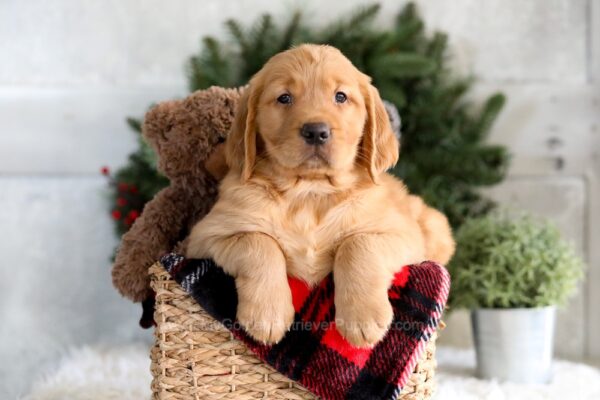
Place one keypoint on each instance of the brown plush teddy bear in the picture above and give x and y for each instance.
(186, 135)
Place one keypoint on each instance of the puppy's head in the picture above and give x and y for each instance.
(311, 112)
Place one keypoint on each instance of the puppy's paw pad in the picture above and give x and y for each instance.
(364, 326)
(268, 324)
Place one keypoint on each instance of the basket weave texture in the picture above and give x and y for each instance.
(194, 357)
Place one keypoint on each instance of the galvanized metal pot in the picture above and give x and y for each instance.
(514, 344)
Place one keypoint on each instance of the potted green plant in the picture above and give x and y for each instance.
(512, 272)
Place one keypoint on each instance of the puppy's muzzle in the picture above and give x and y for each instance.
(315, 133)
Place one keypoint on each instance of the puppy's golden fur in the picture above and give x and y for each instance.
(288, 207)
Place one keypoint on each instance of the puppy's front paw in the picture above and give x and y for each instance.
(267, 317)
(364, 324)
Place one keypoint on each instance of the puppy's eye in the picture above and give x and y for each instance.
(340, 97)
(285, 99)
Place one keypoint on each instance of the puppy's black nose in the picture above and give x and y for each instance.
(315, 133)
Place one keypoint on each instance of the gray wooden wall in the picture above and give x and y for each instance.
(71, 71)
(545, 55)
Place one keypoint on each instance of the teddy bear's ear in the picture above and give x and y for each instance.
(184, 132)
(158, 122)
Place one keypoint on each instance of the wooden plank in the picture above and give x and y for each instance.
(593, 178)
(70, 130)
(594, 41)
(76, 42)
(593, 246)
(512, 40)
(550, 129)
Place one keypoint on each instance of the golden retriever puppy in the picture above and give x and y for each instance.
(307, 194)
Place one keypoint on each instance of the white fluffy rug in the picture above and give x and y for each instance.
(123, 373)
(98, 373)
(571, 381)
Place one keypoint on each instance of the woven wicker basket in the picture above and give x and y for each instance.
(194, 357)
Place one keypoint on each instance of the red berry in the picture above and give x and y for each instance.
(133, 189)
(105, 171)
(122, 186)
(133, 214)
(116, 214)
(128, 221)
(121, 202)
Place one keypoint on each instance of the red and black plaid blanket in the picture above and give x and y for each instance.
(313, 352)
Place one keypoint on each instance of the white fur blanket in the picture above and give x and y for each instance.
(96, 373)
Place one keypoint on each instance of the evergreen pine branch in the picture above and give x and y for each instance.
(391, 92)
(134, 124)
(262, 39)
(245, 52)
(407, 35)
(452, 93)
(351, 25)
(407, 14)
(237, 33)
(487, 117)
(436, 47)
(290, 32)
(259, 36)
(402, 65)
(364, 16)
(210, 68)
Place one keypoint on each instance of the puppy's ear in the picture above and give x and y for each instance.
(379, 146)
(240, 146)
